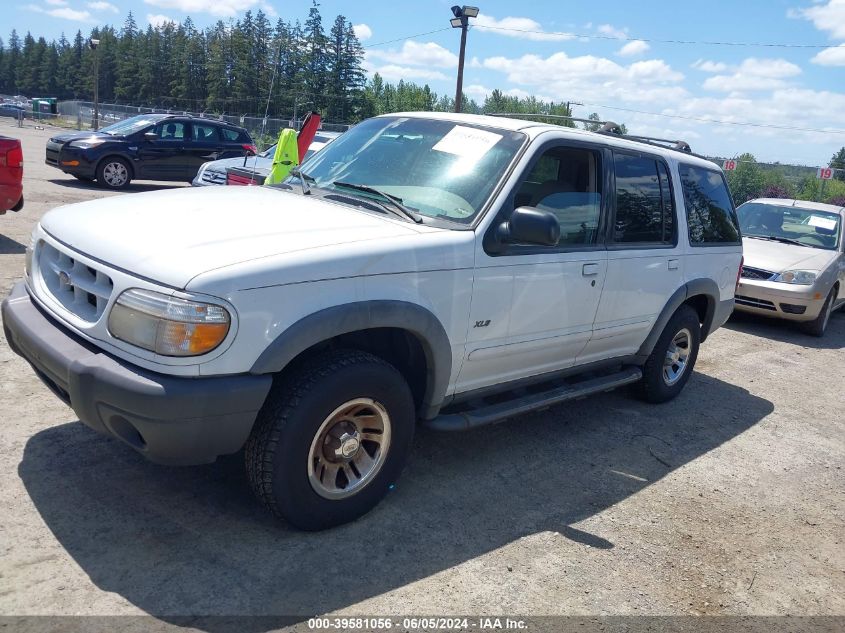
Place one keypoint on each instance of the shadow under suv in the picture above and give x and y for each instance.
(147, 147)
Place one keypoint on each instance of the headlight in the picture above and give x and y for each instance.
(169, 326)
(800, 277)
(87, 143)
(27, 262)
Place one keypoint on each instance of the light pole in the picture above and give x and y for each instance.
(93, 44)
(461, 21)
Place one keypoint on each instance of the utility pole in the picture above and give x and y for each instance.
(461, 21)
(93, 44)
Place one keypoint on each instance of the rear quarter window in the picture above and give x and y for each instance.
(711, 216)
(236, 136)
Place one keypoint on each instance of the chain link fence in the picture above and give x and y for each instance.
(80, 115)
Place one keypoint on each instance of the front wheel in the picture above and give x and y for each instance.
(331, 439)
(818, 326)
(113, 173)
(671, 361)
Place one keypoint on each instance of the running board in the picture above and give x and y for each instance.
(490, 414)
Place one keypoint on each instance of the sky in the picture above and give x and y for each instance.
(616, 61)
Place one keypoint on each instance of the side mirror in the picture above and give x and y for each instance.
(151, 136)
(530, 226)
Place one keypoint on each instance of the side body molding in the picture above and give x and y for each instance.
(365, 315)
(704, 287)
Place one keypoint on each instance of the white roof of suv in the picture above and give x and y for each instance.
(535, 128)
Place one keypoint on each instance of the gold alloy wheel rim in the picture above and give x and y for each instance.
(349, 448)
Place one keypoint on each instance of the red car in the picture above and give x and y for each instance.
(11, 175)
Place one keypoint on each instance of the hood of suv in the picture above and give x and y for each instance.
(777, 256)
(173, 236)
(257, 162)
(74, 136)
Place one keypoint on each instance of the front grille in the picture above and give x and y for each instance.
(81, 289)
(751, 302)
(756, 273)
(52, 152)
(213, 177)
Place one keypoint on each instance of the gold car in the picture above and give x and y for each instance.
(794, 264)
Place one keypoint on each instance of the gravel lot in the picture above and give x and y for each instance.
(727, 501)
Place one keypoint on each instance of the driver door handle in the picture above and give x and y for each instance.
(588, 270)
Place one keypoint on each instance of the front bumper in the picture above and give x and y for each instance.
(71, 160)
(784, 301)
(168, 419)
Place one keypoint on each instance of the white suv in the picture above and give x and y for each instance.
(445, 269)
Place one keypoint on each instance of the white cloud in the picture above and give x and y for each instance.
(362, 32)
(56, 3)
(417, 54)
(222, 8)
(535, 70)
(157, 20)
(754, 74)
(834, 56)
(522, 28)
(828, 17)
(612, 31)
(66, 13)
(633, 48)
(103, 6)
(709, 67)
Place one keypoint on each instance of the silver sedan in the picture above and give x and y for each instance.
(794, 263)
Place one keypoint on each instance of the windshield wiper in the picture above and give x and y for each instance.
(303, 179)
(395, 201)
(776, 238)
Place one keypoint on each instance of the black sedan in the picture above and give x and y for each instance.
(147, 147)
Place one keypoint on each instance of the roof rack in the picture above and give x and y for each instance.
(610, 128)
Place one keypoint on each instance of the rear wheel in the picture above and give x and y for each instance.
(672, 360)
(114, 173)
(331, 439)
(818, 326)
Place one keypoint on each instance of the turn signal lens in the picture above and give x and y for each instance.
(169, 326)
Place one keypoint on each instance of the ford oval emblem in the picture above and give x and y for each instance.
(64, 278)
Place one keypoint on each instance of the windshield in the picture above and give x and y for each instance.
(808, 227)
(130, 126)
(437, 168)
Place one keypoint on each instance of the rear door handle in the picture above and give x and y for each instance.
(589, 270)
(673, 264)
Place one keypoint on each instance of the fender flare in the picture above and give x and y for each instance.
(366, 315)
(695, 287)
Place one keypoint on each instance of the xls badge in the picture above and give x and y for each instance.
(482, 323)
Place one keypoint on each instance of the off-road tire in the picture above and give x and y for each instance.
(278, 451)
(654, 387)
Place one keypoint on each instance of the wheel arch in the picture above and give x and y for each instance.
(374, 326)
(113, 154)
(700, 294)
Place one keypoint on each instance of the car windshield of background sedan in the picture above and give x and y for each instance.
(438, 169)
(792, 225)
(130, 126)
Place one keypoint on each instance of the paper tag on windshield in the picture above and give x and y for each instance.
(467, 142)
(823, 223)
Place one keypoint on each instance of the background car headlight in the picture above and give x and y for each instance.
(169, 326)
(800, 277)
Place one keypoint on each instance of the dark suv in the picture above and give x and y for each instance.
(147, 147)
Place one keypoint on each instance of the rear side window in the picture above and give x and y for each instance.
(645, 213)
(234, 135)
(710, 212)
(205, 132)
